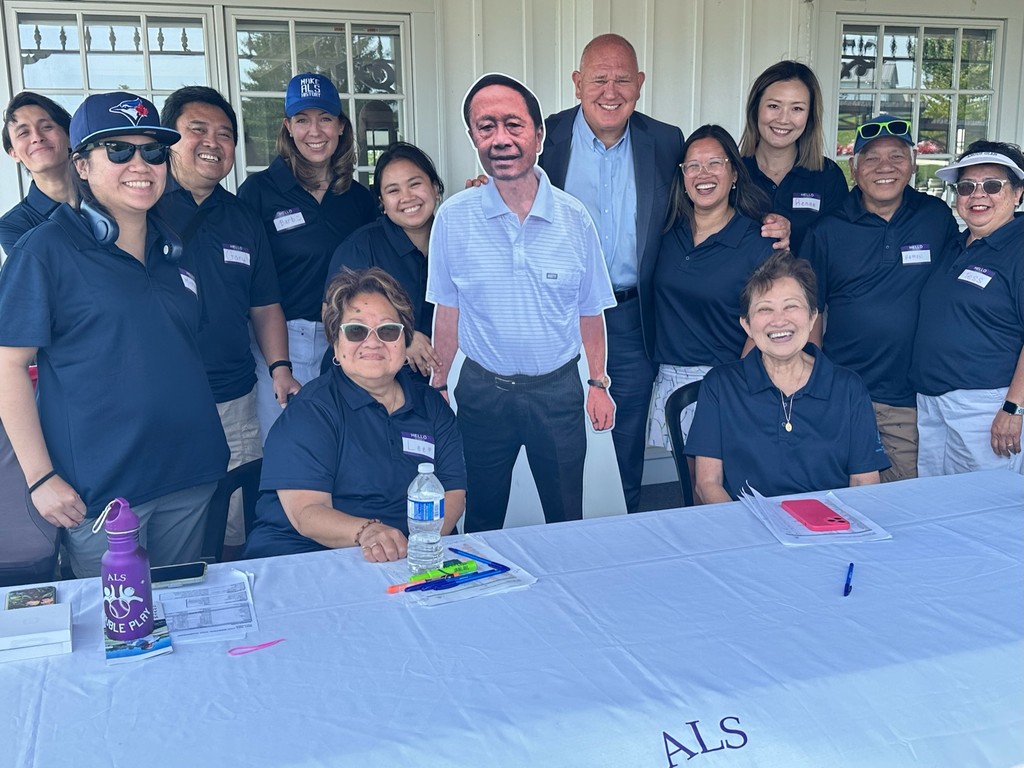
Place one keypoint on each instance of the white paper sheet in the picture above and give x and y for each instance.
(221, 608)
(793, 534)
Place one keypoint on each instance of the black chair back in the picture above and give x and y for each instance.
(245, 477)
(677, 401)
(28, 543)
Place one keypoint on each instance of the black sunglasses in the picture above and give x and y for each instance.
(120, 152)
(966, 187)
(386, 332)
(892, 128)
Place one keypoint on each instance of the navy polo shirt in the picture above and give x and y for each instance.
(123, 399)
(334, 437)
(231, 258)
(972, 315)
(697, 291)
(803, 196)
(28, 214)
(870, 275)
(303, 233)
(739, 419)
(384, 244)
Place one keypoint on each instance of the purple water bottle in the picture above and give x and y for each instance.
(124, 571)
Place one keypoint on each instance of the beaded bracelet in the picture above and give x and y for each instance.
(363, 527)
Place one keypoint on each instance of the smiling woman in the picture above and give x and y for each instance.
(968, 361)
(713, 245)
(124, 407)
(309, 203)
(783, 419)
(338, 462)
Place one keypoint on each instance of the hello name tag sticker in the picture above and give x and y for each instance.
(414, 444)
(978, 276)
(919, 253)
(290, 219)
(189, 281)
(806, 201)
(236, 254)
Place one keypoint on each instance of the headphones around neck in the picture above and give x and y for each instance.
(104, 229)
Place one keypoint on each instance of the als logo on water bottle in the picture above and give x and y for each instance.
(424, 510)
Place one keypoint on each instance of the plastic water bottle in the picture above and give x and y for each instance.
(124, 572)
(426, 516)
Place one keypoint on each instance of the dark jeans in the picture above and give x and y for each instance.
(632, 374)
(497, 416)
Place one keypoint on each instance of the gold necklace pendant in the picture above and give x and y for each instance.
(787, 413)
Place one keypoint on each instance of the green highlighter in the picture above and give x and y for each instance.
(448, 568)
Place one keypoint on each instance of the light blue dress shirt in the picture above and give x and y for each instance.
(604, 180)
(520, 287)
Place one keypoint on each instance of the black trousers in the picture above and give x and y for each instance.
(499, 415)
(632, 374)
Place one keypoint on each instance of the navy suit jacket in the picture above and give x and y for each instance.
(657, 153)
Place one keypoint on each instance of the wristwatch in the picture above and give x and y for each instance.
(603, 383)
(1013, 409)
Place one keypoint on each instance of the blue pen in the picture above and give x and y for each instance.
(849, 581)
(438, 584)
(497, 566)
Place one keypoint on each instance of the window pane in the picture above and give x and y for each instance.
(49, 52)
(859, 48)
(376, 59)
(898, 105)
(264, 56)
(114, 53)
(976, 54)
(972, 120)
(321, 49)
(898, 53)
(262, 121)
(177, 52)
(933, 131)
(854, 109)
(376, 125)
(937, 57)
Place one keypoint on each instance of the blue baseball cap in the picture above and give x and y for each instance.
(881, 126)
(311, 91)
(117, 114)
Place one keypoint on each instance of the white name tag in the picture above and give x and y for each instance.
(919, 253)
(978, 276)
(236, 254)
(414, 444)
(807, 201)
(290, 219)
(189, 281)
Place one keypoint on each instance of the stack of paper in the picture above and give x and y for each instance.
(792, 533)
(43, 630)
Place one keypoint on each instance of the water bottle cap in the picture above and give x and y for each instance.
(425, 468)
(120, 518)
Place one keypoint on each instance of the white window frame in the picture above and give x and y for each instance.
(920, 23)
(406, 116)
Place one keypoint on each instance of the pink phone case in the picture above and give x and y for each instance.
(815, 516)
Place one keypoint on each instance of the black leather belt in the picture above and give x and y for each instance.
(626, 294)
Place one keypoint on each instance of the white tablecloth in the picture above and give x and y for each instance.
(645, 639)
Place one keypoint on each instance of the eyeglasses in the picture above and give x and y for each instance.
(715, 166)
(892, 128)
(967, 187)
(386, 332)
(120, 152)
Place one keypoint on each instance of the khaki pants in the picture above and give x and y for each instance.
(897, 427)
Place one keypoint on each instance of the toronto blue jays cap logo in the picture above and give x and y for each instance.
(133, 109)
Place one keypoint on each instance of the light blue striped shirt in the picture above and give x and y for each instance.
(604, 179)
(520, 288)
